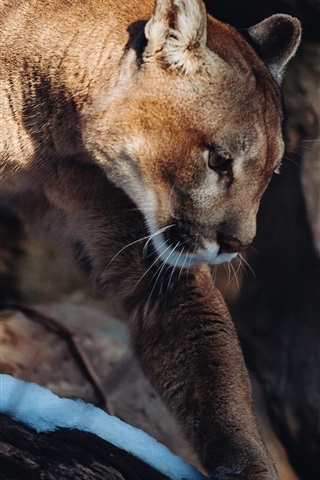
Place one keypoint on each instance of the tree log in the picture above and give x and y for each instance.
(65, 454)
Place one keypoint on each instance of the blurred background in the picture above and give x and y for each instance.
(274, 296)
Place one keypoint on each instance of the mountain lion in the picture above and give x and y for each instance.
(150, 134)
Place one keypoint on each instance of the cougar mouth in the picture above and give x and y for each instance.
(177, 247)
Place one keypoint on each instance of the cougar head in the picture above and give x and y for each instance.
(194, 133)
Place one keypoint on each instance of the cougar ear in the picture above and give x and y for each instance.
(177, 34)
(275, 40)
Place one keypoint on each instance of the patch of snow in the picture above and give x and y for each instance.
(40, 409)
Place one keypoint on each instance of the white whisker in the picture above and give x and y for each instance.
(234, 277)
(161, 230)
(254, 249)
(310, 149)
(147, 237)
(183, 265)
(214, 273)
(169, 205)
(160, 270)
(241, 257)
(189, 266)
(292, 161)
(145, 273)
(229, 273)
(123, 248)
(173, 269)
(310, 140)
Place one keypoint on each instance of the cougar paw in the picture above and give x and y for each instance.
(253, 473)
(222, 473)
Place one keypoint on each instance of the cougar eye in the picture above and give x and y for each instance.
(218, 162)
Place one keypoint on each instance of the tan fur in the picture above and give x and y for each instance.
(109, 115)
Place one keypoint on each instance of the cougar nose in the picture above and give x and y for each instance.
(230, 244)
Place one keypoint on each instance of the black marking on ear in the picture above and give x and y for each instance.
(275, 40)
(137, 39)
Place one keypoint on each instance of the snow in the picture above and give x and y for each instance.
(43, 411)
